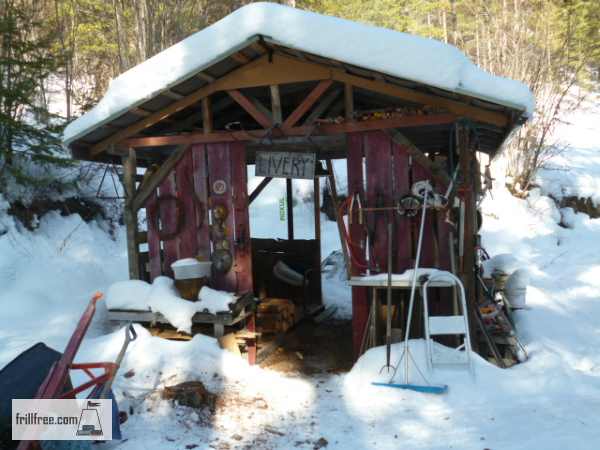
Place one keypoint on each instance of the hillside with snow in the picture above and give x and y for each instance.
(550, 402)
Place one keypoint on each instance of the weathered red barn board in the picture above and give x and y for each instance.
(360, 304)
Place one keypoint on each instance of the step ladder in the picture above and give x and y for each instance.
(457, 325)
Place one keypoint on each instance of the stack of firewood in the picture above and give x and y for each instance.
(275, 315)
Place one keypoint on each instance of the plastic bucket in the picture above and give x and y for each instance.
(190, 268)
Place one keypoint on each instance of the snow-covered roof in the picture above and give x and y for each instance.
(393, 53)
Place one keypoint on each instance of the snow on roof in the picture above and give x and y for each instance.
(382, 50)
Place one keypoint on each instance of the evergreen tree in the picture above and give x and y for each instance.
(28, 133)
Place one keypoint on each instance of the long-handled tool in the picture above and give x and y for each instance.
(406, 355)
(388, 315)
(130, 335)
(105, 390)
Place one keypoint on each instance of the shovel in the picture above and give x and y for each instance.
(105, 391)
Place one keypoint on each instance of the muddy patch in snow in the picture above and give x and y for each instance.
(312, 348)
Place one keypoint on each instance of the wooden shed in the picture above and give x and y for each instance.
(291, 91)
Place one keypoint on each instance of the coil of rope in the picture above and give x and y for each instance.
(167, 235)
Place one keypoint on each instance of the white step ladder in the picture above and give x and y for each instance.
(447, 326)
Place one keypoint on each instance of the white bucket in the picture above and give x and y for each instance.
(516, 288)
(188, 268)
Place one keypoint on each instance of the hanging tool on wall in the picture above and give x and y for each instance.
(388, 313)
(408, 206)
(406, 357)
(221, 257)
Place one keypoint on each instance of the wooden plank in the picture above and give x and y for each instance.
(260, 72)
(324, 129)
(154, 251)
(262, 108)
(219, 170)
(402, 228)
(207, 116)
(240, 57)
(418, 156)
(187, 241)
(251, 345)
(201, 191)
(377, 148)
(172, 95)
(323, 105)
(348, 101)
(360, 302)
(336, 207)
(149, 187)
(306, 104)
(466, 163)
(276, 104)
(258, 189)
(242, 248)
(168, 219)
(130, 214)
(141, 237)
(251, 108)
(453, 106)
(317, 212)
(205, 77)
(140, 112)
(289, 195)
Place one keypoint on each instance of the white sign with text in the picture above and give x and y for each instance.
(285, 165)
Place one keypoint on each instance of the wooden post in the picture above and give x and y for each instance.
(130, 214)
(317, 202)
(258, 189)
(290, 208)
(334, 198)
(349, 101)
(360, 300)
(466, 156)
(276, 105)
(207, 117)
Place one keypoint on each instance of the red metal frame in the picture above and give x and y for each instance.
(57, 377)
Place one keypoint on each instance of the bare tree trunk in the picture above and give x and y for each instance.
(141, 22)
(121, 40)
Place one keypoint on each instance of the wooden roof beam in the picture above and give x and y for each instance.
(140, 112)
(172, 95)
(205, 77)
(322, 129)
(263, 71)
(453, 106)
(207, 115)
(250, 107)
(306, 104)
(418, 155)
(148, 187)
(323, 105)
(276, 110)
(240, 57)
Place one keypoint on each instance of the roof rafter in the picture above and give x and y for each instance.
(263, 71)
(306, 104)
(280, 69)
(321, 129)
(251, 107)
(453, 106)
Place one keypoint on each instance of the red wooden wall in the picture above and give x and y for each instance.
(192, 183)
(389, 176)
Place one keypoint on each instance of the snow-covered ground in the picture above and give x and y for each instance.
(550, 402)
